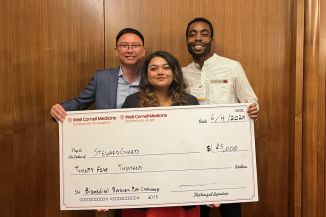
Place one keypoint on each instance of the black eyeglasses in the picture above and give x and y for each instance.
(126, 46)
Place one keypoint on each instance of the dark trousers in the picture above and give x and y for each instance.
(227, 210)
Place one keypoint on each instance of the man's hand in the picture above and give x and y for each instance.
(102, 210)
(58, 112)
(253, 111)
(214, 205)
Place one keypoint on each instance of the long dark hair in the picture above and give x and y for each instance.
(177, 89)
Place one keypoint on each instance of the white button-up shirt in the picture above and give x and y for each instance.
(220, 80)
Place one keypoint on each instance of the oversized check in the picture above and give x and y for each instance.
(152, 157)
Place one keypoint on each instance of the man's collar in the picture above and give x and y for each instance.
(209, 61)
(136, 82)
(120, 72)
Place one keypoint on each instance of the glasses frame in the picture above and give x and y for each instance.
(133, 46)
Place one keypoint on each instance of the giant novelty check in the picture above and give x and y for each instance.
(152, 157)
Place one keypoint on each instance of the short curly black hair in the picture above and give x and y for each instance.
(200, 19)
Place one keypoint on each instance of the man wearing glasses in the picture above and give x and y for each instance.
(109, 88)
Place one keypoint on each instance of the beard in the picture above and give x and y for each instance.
(199, 54)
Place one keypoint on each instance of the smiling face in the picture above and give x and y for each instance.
(126, 50)
(199, 41)
(159, 73)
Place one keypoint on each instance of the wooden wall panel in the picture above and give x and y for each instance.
(49, 50)
(258, 34)
(313, 173)
(314, 146)
(322, 131)
(323, 78)
(6, 123)
(75, 35)
(295, 160)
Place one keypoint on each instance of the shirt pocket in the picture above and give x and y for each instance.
(219, 91)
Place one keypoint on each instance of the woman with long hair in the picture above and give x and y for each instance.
(161, 84)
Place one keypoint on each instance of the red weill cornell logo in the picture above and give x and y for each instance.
(69, 120)
(122, 117)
